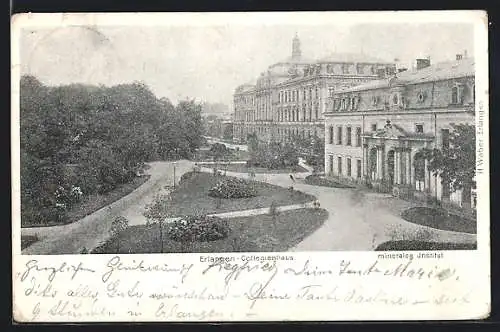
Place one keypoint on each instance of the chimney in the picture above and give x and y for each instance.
(459, 57)
(423, 63)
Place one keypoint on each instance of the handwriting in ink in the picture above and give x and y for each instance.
(33, 265)
(115, 264)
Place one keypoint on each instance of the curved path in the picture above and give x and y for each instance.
(357, 221)
(88, 232)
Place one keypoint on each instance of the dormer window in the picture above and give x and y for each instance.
(395, 99)
(419, 128)
(420, 97)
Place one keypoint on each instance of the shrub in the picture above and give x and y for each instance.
(232, 188)
(198, 228)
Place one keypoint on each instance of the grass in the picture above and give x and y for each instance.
(28, 240)
(440, 219)
(247, 234)
(243, 168)
(424, 245)
(191, 197)
(91, 203)
(317, 180)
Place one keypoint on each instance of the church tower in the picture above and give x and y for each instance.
(296, 53)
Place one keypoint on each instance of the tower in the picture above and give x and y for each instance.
(296, 53)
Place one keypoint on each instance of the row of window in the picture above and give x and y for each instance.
(294, 115)
(287, 96)
(348, 166)
(348, 136)
(350, 103)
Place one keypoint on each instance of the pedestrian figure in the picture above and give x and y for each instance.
(291, 177)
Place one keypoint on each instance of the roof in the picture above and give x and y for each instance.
(351, 58)
(438, 72)
(394, 131)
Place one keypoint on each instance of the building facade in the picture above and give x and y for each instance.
(289, 99)
(374, 131)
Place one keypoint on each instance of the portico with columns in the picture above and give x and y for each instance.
(389, 159)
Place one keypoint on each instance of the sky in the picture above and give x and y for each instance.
(208, 63)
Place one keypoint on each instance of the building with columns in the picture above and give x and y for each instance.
(290, 97)
(374, 131)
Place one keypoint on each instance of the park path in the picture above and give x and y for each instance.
(357, 220)
(91, 230)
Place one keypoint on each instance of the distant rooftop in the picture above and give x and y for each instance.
(351, 58)
(437, 72)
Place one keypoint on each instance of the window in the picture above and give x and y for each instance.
(445, 138)
(316, 112)
(348, 136)
(454, 95)
(339, 165)
(358, 169)
(374, 127)
(419, 128)
(331, 164)
(331, 135)
(358, 136)
(349, 172)
(339, 135)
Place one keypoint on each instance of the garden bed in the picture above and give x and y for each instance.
(91, 203)
(440, 219)
(424, 245)
(316, 180)
(191, 196)
(243, 168)
(261, 233)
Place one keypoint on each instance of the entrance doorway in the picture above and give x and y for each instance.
(373, 164)
(390, 167)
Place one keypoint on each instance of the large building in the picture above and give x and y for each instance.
(290, 97)
(374, 131)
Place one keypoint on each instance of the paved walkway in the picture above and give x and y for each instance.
(357, 221)
(94, 228)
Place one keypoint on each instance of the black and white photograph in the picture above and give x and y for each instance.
(271, 138)
(250, 166)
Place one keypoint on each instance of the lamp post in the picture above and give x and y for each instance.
(174, 172)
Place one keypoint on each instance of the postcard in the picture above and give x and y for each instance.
(272, 166)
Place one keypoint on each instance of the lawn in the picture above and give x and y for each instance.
(27, 240)
(243, 168)
(316, 180)
(440, 219)
(94, 202)
(424, 245)
(247, 234)
(191, 197)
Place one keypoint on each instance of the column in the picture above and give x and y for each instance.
(408, 167)
(397, 166)
(365, 161)
(427, 179)
(380, 162)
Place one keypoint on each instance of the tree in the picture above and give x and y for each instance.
(117, 226)
(218, 151)
(456, 162)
